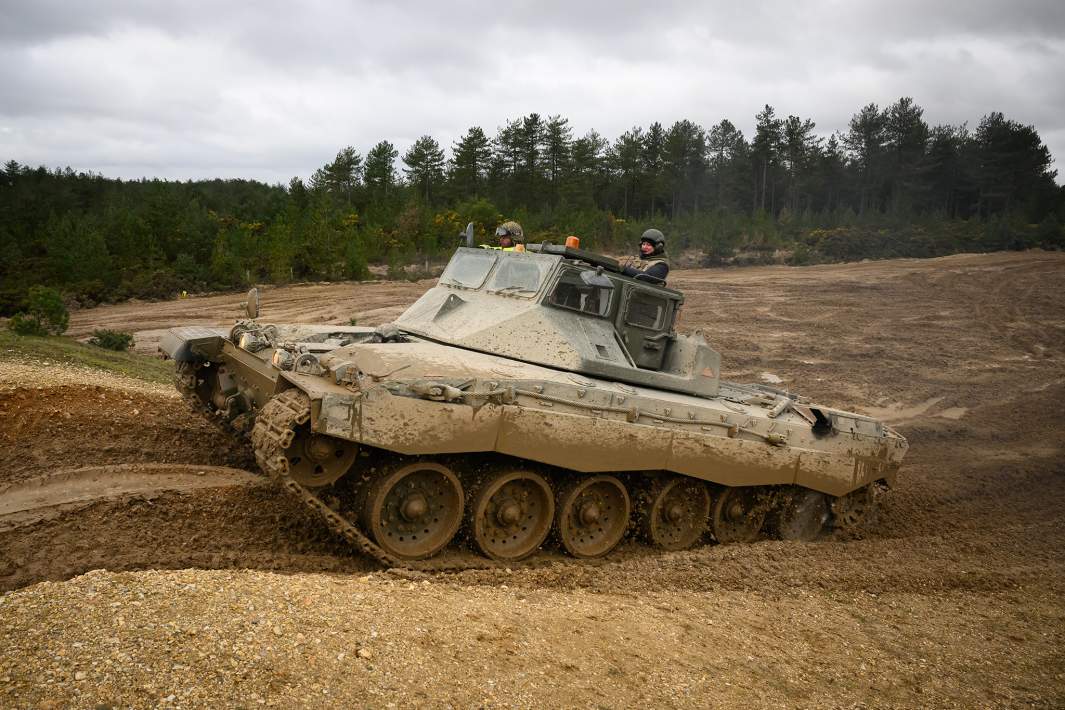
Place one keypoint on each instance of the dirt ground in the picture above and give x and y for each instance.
(218, 592)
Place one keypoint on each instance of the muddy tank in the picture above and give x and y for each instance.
(531, 396)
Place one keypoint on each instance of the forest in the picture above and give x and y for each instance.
(890, 185)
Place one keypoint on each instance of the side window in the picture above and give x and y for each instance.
(646, 310)
(571, 292)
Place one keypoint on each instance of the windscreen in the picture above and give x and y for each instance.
(469, 267)
(519, 275)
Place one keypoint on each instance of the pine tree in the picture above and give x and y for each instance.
(906, 139)
(425, 165)
(380, 171)
(765, 149)
(865, 140)
(470, 160)
(652, 165)
(944, 174)
(624, 160)
(558, 139)
(728, 168)
(1012, 163)
(506, 163)
(340, 177)
(798, 152)
(530, 141)
(588, 173)
(685, 164)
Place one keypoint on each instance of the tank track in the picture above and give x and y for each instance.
(274, 430)
(186, 380)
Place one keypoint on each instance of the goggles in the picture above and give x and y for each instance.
(502, 232)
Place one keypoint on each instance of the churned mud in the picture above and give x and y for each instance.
(218, 590)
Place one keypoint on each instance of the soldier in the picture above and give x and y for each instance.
(510, 235)
(653, 261)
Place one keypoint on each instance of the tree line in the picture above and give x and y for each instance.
(891, 184)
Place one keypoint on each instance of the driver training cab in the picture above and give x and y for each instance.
(642, 314)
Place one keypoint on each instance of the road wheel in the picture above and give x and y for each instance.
(413, 511)
(511, 514)
(674, 512)
(801, 515)
(592, 515)
(739, 513)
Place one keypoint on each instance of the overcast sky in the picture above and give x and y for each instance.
(272, 90)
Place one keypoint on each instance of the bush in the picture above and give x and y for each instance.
(25, 325)
(45, 313)
(160, 284)
(111, 340)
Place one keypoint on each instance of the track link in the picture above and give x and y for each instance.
(274, 431)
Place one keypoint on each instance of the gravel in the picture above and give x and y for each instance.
(196, 638)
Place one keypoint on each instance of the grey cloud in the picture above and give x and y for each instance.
(200, 89)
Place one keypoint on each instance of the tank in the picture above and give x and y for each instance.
(528, 397)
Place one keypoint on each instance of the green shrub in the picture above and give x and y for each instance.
(45, 313)
(25, 325)
(111, 340)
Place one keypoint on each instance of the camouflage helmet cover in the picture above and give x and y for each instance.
(511, 229)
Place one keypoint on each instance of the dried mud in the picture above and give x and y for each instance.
(952, 598)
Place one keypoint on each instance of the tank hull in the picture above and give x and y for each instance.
(408, 430)
(384, 399)
(589, 425)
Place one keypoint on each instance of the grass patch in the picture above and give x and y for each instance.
(67, 350)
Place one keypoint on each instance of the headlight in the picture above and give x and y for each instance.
(282, 359)
(253, 342)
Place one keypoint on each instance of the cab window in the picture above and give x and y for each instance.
(573, 293)
(646, 310)
(469, 268)
(518, 275)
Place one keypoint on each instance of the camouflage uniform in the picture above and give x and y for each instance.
(657, 266)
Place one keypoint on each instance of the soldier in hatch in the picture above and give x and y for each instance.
(653, 261)
(510, 235)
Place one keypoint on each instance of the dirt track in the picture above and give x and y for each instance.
(953, 599)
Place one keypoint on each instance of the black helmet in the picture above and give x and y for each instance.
(656, 239)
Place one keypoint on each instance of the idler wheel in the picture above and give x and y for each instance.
(801, 515)
(415, 510)
(738, 514)
(511, 515)
(316, 460)
(592, 515)
(674, 512)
